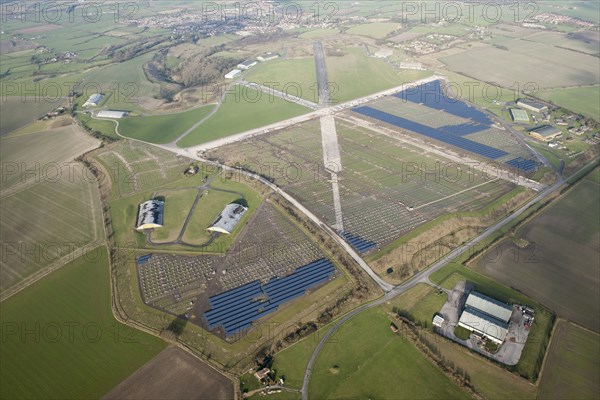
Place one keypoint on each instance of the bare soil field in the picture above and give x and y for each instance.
(38, 29)
(174, 374)
(558, 257)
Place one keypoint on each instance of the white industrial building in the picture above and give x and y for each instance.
(233, 74)
(228, 219)
(246, 65)
(267, 57)
(150, 215)
(93, 100)
(486, 316)
(384, 53)
(531, 105)
(111, 114)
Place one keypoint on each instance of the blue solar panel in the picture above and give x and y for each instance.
(232, 293)
(432, 95)
(235, 310)
(358, 243)
(454, 140)
(522, 164)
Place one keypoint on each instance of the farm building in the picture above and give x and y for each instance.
(438, 321)
(93, 100)
(486, 316)
(384, 53)
(233, 74)
(267, 57)
(545, 133)
(247, 64)
(531, 105)
(519, 115)
(112, 114)
(150, 215)
(228, 219)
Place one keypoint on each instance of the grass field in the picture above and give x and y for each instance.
(17, 113)
(586, 42)
(367, 356)
(177, 207)
(584, 100)
(295, 76)
(162, 128)
(207, 210)
(319, 33)
(76, 349)
(375, 30)
(355, 75)
(243, 109)
(50, 206)
(572, 369)
(522, 62)
(559, 267)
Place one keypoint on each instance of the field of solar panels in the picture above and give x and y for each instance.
(387, 187)
(427, 111)
(272, 261)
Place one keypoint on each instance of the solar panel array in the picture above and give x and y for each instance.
(432, 95)
(358, 243)
(522, 164)
(437, 134)
(235, 310)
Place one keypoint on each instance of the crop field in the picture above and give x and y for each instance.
(17, 113)
(586, 42)
(242, 109)
(295, 76)
(173, 374)
(582, 100)
(270, 245)
(73, 348)
(381, 179)
(375, 30)
(366, 356)
(522, 62)
(319, 33)
(352, 74)
(572, 369)
(40, 177)
(162, 128)
(557, 267)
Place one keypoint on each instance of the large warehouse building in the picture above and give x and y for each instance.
(228, 219)
(486, 316)
(150, 215)
(531, 105)
(545, 133)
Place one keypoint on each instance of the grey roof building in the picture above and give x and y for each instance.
(228, 219)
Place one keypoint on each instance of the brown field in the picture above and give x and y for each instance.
(174, 374)
(572, 369)
(558, 264)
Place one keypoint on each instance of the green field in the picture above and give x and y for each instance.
(375, 30)
(319, 33)
(177, 207)
(366, 357)
(583, 100)
(17, 113)
(355, 75)
(162, 128)
(207, 210)
(521, 63)
(73, 346)
(295, 76)
(572, 368)
(243, 109)
(559, 266)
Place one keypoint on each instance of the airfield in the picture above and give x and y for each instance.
(372, 183)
